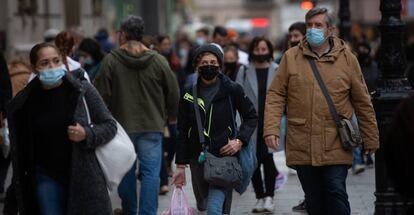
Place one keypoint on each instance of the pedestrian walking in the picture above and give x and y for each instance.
(142, 93)
(219, 99)
(90, 57)
(231, 65)
(5, 96)
(164, 47)
(55, 169)
(256, 79)
(313, 146)
(20, 73)
(65, 43)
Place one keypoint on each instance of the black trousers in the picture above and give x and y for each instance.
(269, 168)
(4, 167)
(325, 189)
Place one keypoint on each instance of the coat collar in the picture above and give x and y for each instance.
(337, 44)
(225, 86)
(20, 99)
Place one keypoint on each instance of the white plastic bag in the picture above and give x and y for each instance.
(179, 204)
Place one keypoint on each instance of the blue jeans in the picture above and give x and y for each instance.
(51, 195)
(325, 189)
(148, 147)
(215, 200)
(357, 156)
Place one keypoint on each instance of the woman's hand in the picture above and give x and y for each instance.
(178, 178)
(232, 147)
(76, 133)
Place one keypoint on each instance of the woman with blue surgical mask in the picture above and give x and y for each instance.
(55, 168)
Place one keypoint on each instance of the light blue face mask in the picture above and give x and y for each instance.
(51, 77)
(315, 36)
(200, 41)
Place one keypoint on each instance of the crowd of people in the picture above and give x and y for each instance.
(156, 89)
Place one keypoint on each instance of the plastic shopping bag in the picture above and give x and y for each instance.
(179, 204)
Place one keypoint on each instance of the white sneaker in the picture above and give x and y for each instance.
(258, 208)
(268, 204)
(358, 168)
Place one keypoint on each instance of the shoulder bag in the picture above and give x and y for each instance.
(115, 157)
(348, 131)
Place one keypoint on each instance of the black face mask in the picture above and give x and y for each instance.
(364, 58)
(261, 58)
(208, 72)
(231, 66)
(293, 44)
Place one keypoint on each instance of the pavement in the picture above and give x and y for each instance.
(360, 190)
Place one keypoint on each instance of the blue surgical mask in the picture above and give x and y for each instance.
(200, 41)
(315, 36)
(51, 77)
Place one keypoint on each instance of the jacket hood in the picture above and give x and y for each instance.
(338, 46)
(134, 60)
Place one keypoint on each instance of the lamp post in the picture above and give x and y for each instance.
(345, 20)
(392, 89)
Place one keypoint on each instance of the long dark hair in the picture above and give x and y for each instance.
(255, 42)
(93, 48)
(34, 52)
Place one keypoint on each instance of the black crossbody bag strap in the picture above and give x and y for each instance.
(198, 117)
(325, 92)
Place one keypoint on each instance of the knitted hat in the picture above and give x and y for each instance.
(211, 48)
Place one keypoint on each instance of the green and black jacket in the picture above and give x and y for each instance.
(217, 120)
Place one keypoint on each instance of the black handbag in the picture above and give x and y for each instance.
(219, 171)
(348, 131)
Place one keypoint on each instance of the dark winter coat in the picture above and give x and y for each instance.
(87, 190)
(399, 148)
(5, 84)
(217, 120)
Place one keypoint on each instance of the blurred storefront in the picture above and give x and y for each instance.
(23, 22)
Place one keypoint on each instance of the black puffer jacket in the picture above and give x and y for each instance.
(87, 188)
(217, 120)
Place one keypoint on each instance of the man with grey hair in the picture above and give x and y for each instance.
(142, 93)
(313, 145)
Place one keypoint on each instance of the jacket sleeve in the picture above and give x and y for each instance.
(276, 101)
(364, 110)
(5, 84)
(247, 113)
(104, 126)
(183, 125)
(103, 80)
(171, 89)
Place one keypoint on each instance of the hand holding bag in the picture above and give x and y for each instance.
(179, 204)
(348, 131)
(115, 157)
(218, 171)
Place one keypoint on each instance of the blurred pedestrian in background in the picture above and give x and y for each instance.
(256, 79)
(90, 56)
(231, 65)
(104, 41)
(142, 93)
(65, 43)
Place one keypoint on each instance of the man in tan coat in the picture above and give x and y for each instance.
(313, 146)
